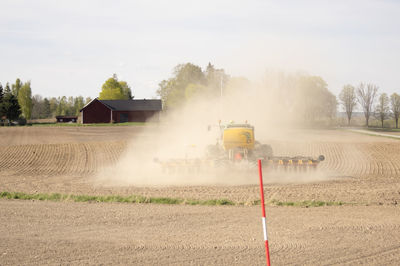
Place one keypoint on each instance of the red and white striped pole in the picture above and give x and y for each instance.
(263, 214)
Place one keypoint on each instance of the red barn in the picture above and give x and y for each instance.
(120, 111)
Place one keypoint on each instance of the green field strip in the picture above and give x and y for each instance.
(57, 197)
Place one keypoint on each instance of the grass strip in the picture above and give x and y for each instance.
(306, 203)
(110, 198)
(159, 200)
(372, 134)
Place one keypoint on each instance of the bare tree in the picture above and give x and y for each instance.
(366, 96)
(395, 107)
(382, 109)
(348, 99)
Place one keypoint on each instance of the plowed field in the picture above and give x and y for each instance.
(360, 170)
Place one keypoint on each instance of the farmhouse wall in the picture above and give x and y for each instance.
(96, 112)
(134, 116)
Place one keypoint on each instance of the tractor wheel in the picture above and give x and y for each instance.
(263, 151)
(267, 150)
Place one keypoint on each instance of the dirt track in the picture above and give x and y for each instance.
(359, 169)
(81, 233)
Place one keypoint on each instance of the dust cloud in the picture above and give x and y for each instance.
(185, 132)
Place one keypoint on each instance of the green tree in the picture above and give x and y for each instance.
(16, 87)
(62, 106)
(24, 95)
(46, 111)
(53, 106)
(113, 89)
(314, 100)
(7, 87)
(1, 102)
(193, 90)
(216, 80)
(10, 106)
(45, 108)
(395, 107)
(165, 89)
(1, 92)
(78, 104)
(70, 106)
(59, 110)
(174, 91)
(126, 90)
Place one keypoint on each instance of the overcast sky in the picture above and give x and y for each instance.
(72, 47)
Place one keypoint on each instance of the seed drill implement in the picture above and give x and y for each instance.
(236, 149)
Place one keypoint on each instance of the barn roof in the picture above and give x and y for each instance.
(133, 105)
(129, 105)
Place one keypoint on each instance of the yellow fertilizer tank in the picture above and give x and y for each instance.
(238, 136)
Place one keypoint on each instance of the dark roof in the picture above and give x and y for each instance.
(133, 105)
(129, 105)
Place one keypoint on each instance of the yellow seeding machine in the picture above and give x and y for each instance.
(236, 148)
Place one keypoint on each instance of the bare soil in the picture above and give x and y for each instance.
(359, 169)
(82, 233)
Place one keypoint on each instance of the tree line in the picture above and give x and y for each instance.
(381, 107)
(112, 89)
(301, 94)
(55, 106)
(17, 102)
